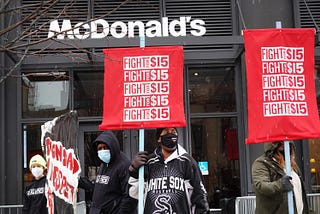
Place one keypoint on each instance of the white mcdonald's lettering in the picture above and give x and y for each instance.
(100, 28)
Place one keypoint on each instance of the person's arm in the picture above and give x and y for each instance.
(26, 203)
(262, 181)
(133, 183)
(140, 159)
(199, 200)
(86, 184)
(128, 204)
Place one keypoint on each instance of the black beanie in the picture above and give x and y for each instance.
(158, 133)
(159, 130)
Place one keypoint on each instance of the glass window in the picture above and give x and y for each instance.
(317, 83)
(211, 89)
(314, 150)
(31, 147)
(215, 141)
(45, 94)
(88, 93)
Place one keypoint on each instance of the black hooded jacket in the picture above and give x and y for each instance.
(34, 199)
(110, 193)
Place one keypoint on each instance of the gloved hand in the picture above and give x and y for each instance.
(85, 183)
(140, 159)
(286, 184)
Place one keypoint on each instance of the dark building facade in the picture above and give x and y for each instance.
(52, 62)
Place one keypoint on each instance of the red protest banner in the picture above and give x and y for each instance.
(143, 88)
(280, 84)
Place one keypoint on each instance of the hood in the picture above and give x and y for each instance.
(108, 138)
(268, 147)
(176, 154)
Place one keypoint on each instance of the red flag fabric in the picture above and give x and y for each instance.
(143, 88)
(281, 85)
(232, 150)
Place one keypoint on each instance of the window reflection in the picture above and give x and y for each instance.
(45, 94)
(211, 89)
(317, 83)
(314, 150)
(32, 146)
(215, 140)
(88, 93)
(38, 98)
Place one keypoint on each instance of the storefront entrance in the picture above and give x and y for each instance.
(213, 140)
(211, 134)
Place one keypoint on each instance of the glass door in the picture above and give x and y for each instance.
(214, 132)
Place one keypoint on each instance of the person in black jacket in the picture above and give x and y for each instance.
(34, 198)
(173, 180)
(110, 191)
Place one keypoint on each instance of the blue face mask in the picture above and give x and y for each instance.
(104, 155)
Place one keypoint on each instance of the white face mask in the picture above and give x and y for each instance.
(104, 155)
(37, 171)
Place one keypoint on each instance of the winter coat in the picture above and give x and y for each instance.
(110, 195)
(266, 176)
(34, 199)
(174, 185)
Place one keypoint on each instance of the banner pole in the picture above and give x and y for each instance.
(141, 173)
(288, 172)
(287, 157)
(141, 148)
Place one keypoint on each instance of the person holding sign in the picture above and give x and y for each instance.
(174, 183)
(110, 191)
(271, 183)
(34, 198)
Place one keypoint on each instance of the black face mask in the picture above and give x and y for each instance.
(169, 140)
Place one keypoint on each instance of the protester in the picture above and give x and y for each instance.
(34, 198)
(271, 184)
(110, 189)
(174, 183)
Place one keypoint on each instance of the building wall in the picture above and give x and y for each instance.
(264, 14)
(2, 121)
(10, 148)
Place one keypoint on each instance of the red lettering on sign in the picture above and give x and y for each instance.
(63, 170)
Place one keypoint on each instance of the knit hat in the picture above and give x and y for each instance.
(159, 130)
(37, 159)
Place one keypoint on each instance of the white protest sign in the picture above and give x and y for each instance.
(63, 172)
